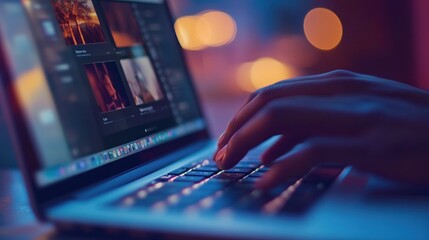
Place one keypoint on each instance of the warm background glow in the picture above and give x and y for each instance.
(261, 73)
(207, 29)
(216, 28)
(224, 42)
(186, 30)
(323, 28)
(235, 47)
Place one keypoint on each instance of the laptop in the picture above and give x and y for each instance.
(109, 133)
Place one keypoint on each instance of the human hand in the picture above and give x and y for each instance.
(376, 125)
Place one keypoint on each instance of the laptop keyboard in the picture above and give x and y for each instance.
(202, 188)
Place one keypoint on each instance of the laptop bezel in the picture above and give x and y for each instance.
(41, 196)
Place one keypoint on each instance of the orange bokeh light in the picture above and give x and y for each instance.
(261, 73)
(186, 31)
(207, 29)
(323, 28)
(216, 28)
(243, 77)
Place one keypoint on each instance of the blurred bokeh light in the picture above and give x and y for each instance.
(236, 47)
(266, 71)
(261, 73)
(216, 28)
(186, 30)
(206, 29)
(323, 28)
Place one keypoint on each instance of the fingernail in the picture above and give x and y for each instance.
(221, 139)
(220, 155)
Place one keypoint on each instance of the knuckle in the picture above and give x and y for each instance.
(267, 94)
(347, 80)
(234, 140)
(264, 95)
(233, 123)
(253, 95)
(230, 128)
(342, 73)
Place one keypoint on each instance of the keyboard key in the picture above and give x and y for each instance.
(248, 165)
(207, 169)
(171, 188)
(264, 169)
(211, 164)
(256, 174)
(322, 174)
(257, 199)
(183, 202)
(186, 178)
(237, 189)
(253, 202)
(214, 184)
(226, 175)
(147, 198)
(166, 178)
(178, 184)
(302, 198)
(192, 198)
(249, 180)
(228, 197)
(252, 159)
(149, 201)
(221, 180)
(239, 170)
(193, 164)
(228, 190)
(199, 173)
(178, 171)
(312, 187)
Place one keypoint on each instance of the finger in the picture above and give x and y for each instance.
(331, 74)
(280, 147)
(336, 73)
(253, 133)
(318, 85)
(311, 153)
(258, 91)
(299, 116)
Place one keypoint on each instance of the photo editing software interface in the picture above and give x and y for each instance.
(106, 80)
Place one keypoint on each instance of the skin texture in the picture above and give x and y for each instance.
(377, 125)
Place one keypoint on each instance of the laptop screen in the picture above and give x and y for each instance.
(97, 80)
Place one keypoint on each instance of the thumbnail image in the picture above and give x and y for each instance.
(142, 80)
(78, 21)
(125, 30)
(107, 86)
